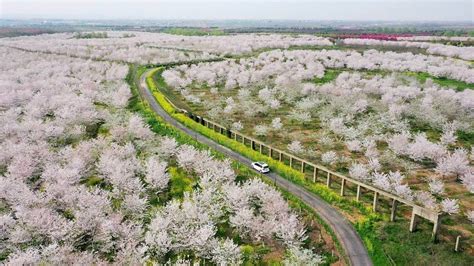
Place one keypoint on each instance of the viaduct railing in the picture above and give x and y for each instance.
(329, 176)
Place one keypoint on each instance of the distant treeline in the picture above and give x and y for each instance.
(98, 31)
(345, 31)
(15, 32)
(90, 35)
(191, 31)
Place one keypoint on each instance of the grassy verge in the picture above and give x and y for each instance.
(181, 183)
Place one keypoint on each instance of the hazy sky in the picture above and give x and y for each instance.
(414, 10)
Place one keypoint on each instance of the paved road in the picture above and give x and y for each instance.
(345, 232)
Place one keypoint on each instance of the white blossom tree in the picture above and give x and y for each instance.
(156, 173)
(468, 181)
(300, 257)
(276, 123)
(450, 206)
(470, 216)
(329, 157)
(436, 186)
(455, 163)
(296, 147)
(359, 171)
(237, 126)
(261, 130)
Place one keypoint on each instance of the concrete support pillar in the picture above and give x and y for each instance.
(343, 183)
(394, 210)
(376, 199)
(434, 234)
(279, 156)
(291, 161)
(315, 174)
(328, 180)
(213, 127)
(302, 167)
(270, 152)
(243, 140)
(235, 136)
(456, 247)
(358, 193)
(261, 148)
(221, 130)
(413, 221)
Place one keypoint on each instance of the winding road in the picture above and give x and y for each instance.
(345, 232)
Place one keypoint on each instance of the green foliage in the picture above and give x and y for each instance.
(466, 138)
(128, 35)
(68, 214)
(93, 181)
(4, 255)
(90, 35)
(329, 75)
(3, 207)
(454, 32)
(442, 81)
(249, 255)
(92, 130)
(180, 182)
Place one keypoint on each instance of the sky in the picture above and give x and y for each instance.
(361, 10)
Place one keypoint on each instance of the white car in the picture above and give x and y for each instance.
(261, 167)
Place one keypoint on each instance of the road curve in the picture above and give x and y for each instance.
(345, 232)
